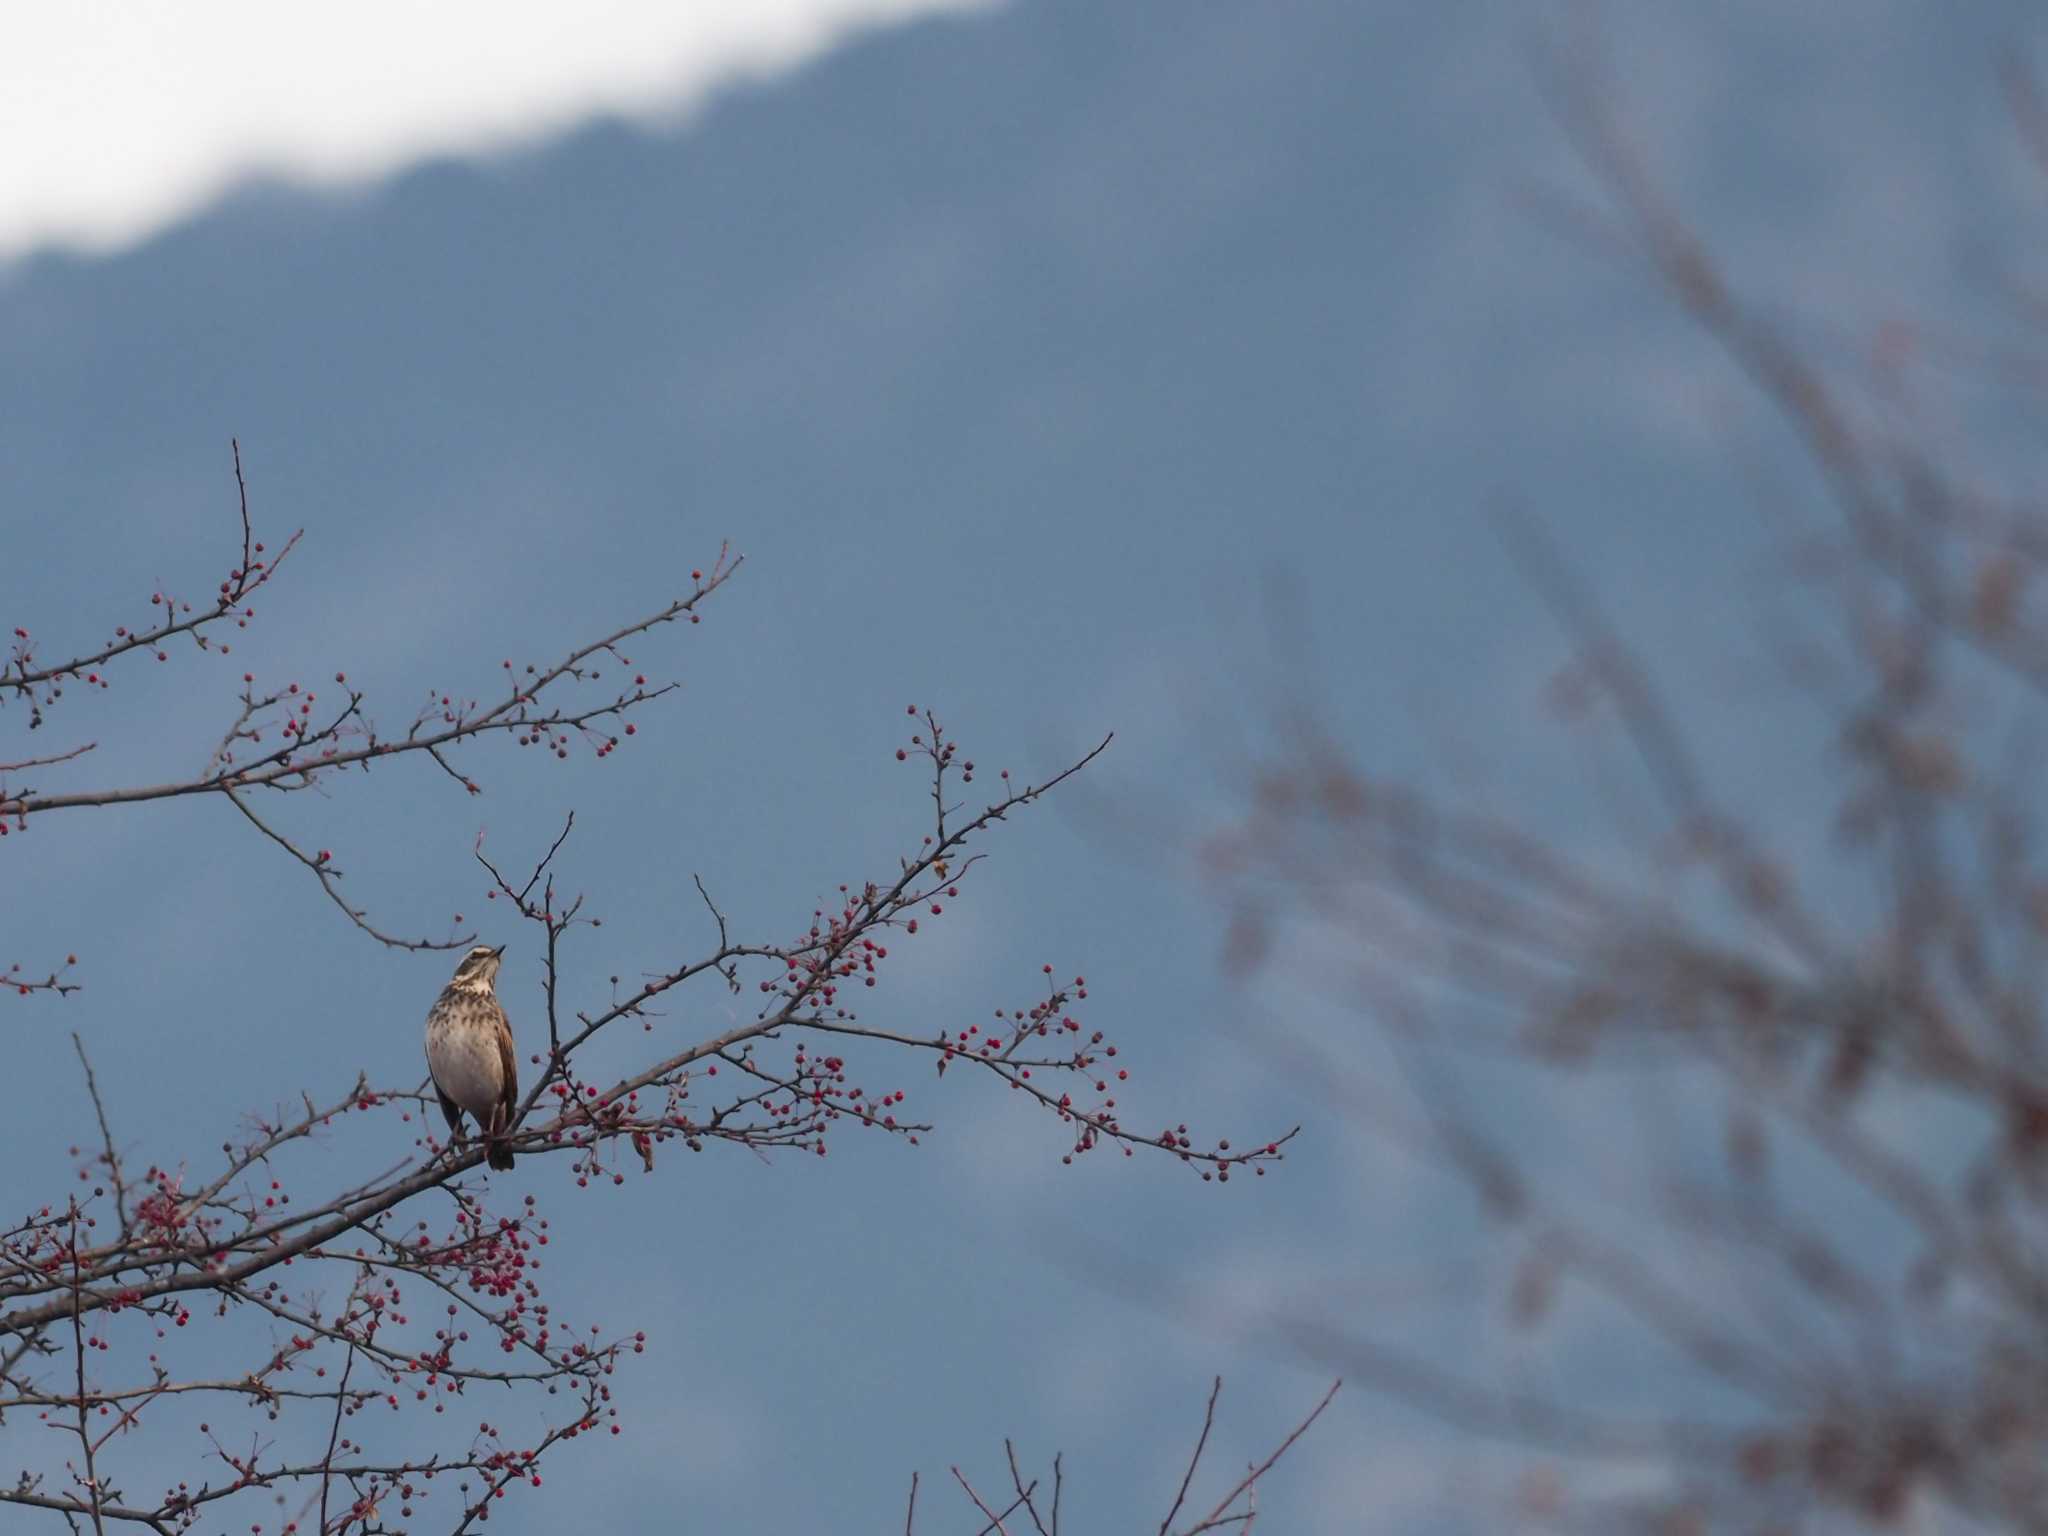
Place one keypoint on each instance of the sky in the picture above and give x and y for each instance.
(116, 119)
(1022, 349)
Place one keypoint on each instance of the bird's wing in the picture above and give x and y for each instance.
(508, 1097)
(450, 1110)
(432, 1014)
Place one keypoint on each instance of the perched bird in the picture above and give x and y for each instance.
(469, 1053)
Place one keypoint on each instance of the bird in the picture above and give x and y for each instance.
(469, 1053)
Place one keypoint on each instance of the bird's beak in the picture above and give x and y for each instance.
(497, 952)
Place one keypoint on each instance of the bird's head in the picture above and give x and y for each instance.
(479, 968)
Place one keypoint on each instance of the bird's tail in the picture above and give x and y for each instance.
(498, 1155)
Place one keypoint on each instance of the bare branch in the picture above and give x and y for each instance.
(1221, 1515)
(1194, 1461)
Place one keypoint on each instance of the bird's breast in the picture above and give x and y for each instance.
(464, 1057)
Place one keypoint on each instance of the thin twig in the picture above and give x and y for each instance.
(1218, 1515)
(99, 1109)
(1194, 1461)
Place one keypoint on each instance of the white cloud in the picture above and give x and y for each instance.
(116, 118)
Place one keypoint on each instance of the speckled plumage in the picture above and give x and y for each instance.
(470, 1055)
